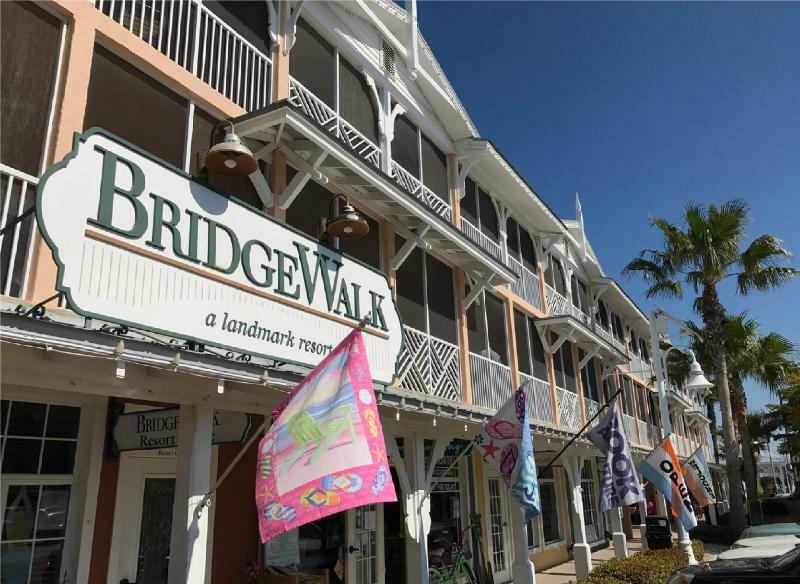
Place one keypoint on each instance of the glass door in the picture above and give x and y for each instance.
(365, 563)
(498, 529)
(140, 541)
(591, 516)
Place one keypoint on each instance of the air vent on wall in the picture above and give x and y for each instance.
(388, 58)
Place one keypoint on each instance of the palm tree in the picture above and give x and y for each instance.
(764, 359)
(703, 253)
(760, 430)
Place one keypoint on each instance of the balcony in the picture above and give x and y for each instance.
(429, 365)
(639, 367)
(420, 192)
(581, 316)
(484, 241)
(195, 38)
(569, 413)
(491, 382)
(631, 428)
(327, 117)
(540, 401)
(18, 191)
(591, 407)
(526, 286)
(557, 304)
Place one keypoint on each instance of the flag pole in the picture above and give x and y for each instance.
(581, 431)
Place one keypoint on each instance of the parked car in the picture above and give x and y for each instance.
(771, 529)
(778, 570)
(756, 552)
(767, 540)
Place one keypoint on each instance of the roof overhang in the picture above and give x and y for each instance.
(696, 416)
(284, 126)
(568, 328)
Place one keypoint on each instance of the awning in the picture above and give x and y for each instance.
(318, 153)
(568, 328)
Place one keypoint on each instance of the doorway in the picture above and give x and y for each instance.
(140, 540)
(497, 513)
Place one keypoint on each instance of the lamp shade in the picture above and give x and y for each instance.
(231, 158)
(347, 224)
(697, 379)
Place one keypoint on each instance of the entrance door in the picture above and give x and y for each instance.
(142, 519)
(365, 557)
(497, 513)
(591, 517)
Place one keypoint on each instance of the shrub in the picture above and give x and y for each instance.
(698, 549)
(599, 580)
(650, 567)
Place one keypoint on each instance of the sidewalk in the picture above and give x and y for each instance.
(566, 571)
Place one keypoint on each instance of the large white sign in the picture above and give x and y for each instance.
(141, 243)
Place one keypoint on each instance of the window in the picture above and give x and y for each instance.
(28, 60)
(564, 365)
(634, 344)
(405, 146)
(134, 106)
(486, 324)
(643, 352)
(425, 294)
(39, 443)
(589, 378)
(520, 245)
(654, 411)
(627, 398)
(356, 104)
(554, 275)
(39, 438)
(641, 392)
(549, 519)
(530, 352)
(313, 63)
(434, 168)
(618, 331)
(477, 208)
(602, 312)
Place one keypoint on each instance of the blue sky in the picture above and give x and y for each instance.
(640, 108)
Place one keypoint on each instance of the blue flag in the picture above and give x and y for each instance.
(506, 444)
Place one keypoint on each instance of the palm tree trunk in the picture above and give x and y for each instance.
(713, 318)
(739, 407)
(711, 414)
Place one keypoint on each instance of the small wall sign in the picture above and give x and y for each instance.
(141, 243)
(158, 429)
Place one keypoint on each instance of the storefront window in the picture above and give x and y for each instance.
(551, 525)
(39, 443)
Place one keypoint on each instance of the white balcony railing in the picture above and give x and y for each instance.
(629, 422)
(18, 192)
(327, 117)
(591, 407)
(429, 365)
(484, 241)
(639, 367)
(420, 192)
(578, 314)
(556, 303)
(526, 286)
(195, 38)
(491, 382)
(569, 414)
(643, 431)
(540, 400)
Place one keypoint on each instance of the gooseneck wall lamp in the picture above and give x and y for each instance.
(230, 157)
(347, 223)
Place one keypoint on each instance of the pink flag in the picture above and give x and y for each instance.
(325, 451)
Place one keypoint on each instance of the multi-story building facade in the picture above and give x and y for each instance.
(494, 291)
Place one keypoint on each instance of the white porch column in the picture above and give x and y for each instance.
(522, 570)
(189, 544)
(418, 520)
(620, 541)
(642, 523)
(581, 551)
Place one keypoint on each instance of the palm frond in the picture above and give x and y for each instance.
(760, 265)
